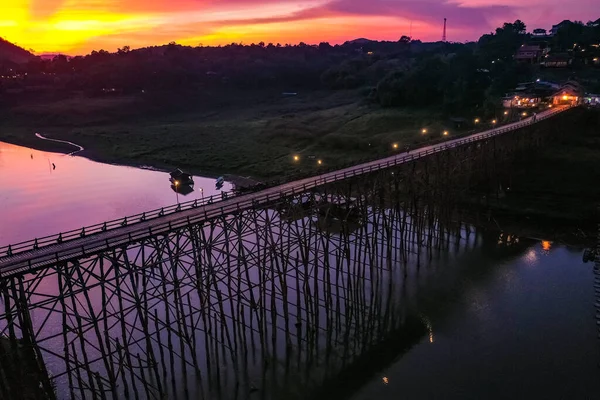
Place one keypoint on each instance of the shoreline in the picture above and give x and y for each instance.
(541, 223)
(40, 136)
(50, 145)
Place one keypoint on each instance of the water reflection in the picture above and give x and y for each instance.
(37, 200)
(294, 304)
(320, 326)
(546, 245)
(503, 329)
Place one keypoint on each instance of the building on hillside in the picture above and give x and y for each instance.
(557, 60)
(539, 32)
(530, 54)
(530, 95)
(592, 100)
(557, 27)
(570, 93)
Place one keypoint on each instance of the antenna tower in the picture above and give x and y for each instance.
(444, 35)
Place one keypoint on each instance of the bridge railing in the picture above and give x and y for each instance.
(35, 244)
(44, 241)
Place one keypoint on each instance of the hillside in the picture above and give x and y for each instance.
(13, 53)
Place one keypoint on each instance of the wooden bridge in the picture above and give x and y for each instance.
(272, 290)
(35, 254)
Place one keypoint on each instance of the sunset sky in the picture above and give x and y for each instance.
(79, 26)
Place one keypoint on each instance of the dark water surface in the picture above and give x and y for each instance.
(505, 324)
(498, 317)
(37, 200)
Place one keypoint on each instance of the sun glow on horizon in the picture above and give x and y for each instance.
(80, 26)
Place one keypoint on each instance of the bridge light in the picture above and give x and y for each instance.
(494, 121)
(395, 145)
(476, 120)
(424, 131)
(296, 158)
(176, 183)
(445, 133)
(319, 162)
(524, 114)
(505, 112)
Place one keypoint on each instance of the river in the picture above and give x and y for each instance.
(505, 317)
(37, 200)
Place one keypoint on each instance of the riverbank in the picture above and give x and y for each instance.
(257, 139)
(59, 146)
(253, 144)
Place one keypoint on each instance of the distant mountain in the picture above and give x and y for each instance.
(50, 56)
(13, 53)
(359, 41)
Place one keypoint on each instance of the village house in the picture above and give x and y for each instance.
(529, 54)
(557, 60)
(592, 100)
(528, 95)
(570, 93)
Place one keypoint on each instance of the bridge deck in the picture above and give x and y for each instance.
(34, 259)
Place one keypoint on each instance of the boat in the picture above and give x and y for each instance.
(220, 182)
(178, 177)
(589, 255)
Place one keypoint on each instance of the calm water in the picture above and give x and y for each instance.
(502, 321)
(505, 324)
(37, 201)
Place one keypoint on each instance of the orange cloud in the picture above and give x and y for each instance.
(79, 26)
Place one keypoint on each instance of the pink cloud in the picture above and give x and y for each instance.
(109, 24)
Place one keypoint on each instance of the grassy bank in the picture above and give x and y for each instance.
(255, 136)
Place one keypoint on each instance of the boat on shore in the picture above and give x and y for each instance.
(178, 177)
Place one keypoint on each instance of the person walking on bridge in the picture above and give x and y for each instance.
(534, 117)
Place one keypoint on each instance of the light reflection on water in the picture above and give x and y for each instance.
(520, 327)
(37, 200)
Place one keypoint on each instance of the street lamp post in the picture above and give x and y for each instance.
(177, 190)
(202, 194)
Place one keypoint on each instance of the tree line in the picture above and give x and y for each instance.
(406, 72)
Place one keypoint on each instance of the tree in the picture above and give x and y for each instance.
(405, 39)
(325, 46)
(519, 27)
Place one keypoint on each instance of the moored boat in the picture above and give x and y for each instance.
(178, 177)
